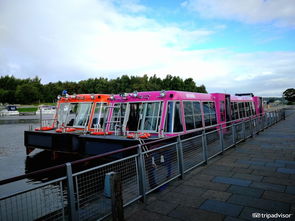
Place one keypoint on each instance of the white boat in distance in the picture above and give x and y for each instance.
(46, 109)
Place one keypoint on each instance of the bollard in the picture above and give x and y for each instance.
(113, 184)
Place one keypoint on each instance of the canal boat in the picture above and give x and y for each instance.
(75, 115)
(10, 110)
(140, 117)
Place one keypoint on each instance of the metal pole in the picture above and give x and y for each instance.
(221, 138)
(234, 134)
(180, 156)
(141, 173)
(73, 216)
(244, 131)
(252, 126)
(40, 117)
(204, 144)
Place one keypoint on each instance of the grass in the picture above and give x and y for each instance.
(27, 109)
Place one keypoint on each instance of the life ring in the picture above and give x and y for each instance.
(131, 135)
(60, 130)
(144, 135)
(102, 133)
(43, 128)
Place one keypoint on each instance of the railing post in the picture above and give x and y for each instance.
(116, 196)
(234, 133)
(221, 138)
(141, 173)
(73, 216)
(244, 131)
(252, 126)
(180, 156)
(204, 144)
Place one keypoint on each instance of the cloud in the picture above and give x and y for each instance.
(279, 12)
(74, 37)
(78, 39)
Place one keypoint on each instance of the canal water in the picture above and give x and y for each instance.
(13, 158)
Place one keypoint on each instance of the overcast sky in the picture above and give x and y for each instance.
(227, 45)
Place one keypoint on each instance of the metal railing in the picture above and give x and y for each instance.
(85, 195)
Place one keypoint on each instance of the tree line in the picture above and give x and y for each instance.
(31, 90)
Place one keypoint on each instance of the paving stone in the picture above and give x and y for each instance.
(190, 190)
(274, 165)
(256, 167)
(234, 181)
(268, 186)
(221, 207)
(285, 162)
(247, 213)
(216, 195)
(277, 196)
(270, 174)
(290, 189)
(281, 181)
(247, 176)
(161, 207)
(192, 214)
(247, 191)
(229, 218)
(144, 215)
(242, 170)
(286, 170)
(220, 167)
(205, 177)
(184, 200)
(217, 172)
(209, 185)
(251, 162)
(259, 203)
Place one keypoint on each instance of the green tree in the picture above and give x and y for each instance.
(289, 94)
(27, 94)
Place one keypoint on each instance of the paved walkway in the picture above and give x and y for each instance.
(257, 176)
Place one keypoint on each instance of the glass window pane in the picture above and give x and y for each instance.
(177, 118)
(168, 120)
(82, 111)
(189, 122)
(197, 108)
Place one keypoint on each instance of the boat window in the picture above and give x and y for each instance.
(117, 119)
(209, 113)
(82, 113)
(241, 110)
(248, 110)
(193, 115)
(232, 108)
(99, 117)
(188, 113)
(62, 114)
(151, 119)
(169, 115)
(253, 108)
(177, 118)
(222, 111)
(197, 114)
(236, 110)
